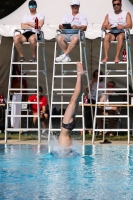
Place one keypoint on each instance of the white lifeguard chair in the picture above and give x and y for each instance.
(123, 73)
(67, 73)
(33, 70)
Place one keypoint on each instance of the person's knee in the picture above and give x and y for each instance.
(32, 39)
(59, 38)
(75, 39)
(16, 39)
(120, 38)
(107, 38)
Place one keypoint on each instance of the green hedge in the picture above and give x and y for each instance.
(8, 6)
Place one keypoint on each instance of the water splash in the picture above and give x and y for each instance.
(60, 152)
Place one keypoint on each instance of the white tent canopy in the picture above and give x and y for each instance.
(95, 11)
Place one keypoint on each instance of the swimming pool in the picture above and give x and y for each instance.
(96, 172)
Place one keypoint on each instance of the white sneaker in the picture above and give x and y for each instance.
(66, 59)
(60, 58)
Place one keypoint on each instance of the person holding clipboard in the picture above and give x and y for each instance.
(73, 20)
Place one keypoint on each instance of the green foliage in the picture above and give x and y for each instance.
(9, 6)
(131, 1)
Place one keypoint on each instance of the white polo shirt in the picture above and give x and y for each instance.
(78, 20)
(31, 18)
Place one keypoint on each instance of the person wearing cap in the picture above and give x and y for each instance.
(77, 21)
(116, 22)
(44, 114)
(28, 22)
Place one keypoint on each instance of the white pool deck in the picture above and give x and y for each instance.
(87, 142)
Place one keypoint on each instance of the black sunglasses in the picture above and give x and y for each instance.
(75, 5)
(116, 4)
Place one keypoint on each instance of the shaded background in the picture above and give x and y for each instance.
(8, 6)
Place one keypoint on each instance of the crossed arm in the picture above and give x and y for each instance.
(31, 24)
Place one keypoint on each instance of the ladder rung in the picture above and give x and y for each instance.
(21, 115)
(112, 75)
(60, 103)
(59, 129)
(31, 76)
(24, 63)
(116, 94)
(109, 103)
(65, 63)
(23, 129)
(63, 89)
(53, 116)
(113, 63)
(65, 76)
(63, 93)
(115, 70)
(111, 129)
(63, 103)
(111, 116)
(22, 89)
(114, 89)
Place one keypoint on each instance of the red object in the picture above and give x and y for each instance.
(1, 98)
(43, 102)
(36, 23)
(124, 56)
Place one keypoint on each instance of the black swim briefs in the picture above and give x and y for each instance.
(69, 126)
(115, 34)
(29, 33)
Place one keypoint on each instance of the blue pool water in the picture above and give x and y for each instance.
(29, 172)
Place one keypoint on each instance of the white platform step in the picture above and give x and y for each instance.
(24, 63)
(123, 63)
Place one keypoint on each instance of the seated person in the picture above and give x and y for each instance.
(77, 21)
(28, 22)
(93, 89)
(110, 110)
(116, 22)
(44, 113)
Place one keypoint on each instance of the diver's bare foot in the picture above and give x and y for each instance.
(116, 60)
(80, 69)
(104, 60)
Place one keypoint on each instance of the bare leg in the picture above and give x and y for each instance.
(61, 43)
(34, 118)
(18, 40)
(64, 138)
(107, 39)
(44, 118)
(32, 41)
(72, 44)
(120, 39)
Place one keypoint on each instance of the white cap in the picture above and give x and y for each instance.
(74, 2)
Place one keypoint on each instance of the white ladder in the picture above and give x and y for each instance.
(33, 68)
(63, 92)
(124, 73)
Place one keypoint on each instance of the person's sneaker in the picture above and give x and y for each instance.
(33, 59)
(21, 59)
(66, 59)
(60, 58)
